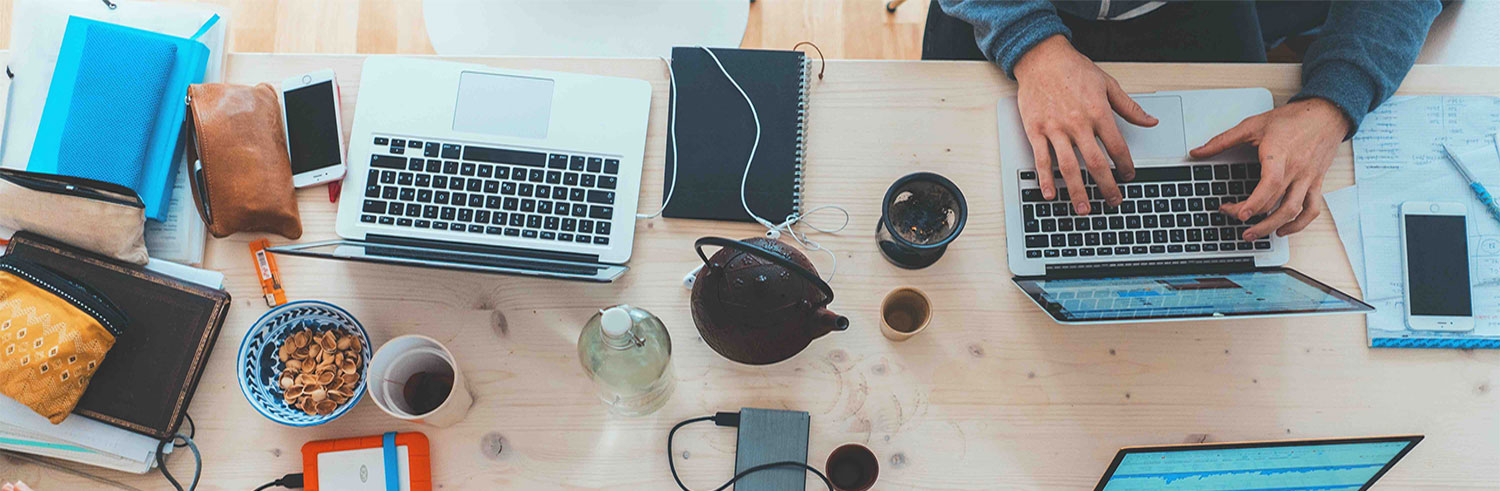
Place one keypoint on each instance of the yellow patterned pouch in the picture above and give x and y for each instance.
(54, 333)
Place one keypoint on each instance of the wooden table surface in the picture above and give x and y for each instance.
(992, 396)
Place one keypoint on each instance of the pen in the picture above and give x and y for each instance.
(1479, 191)
(208, 214)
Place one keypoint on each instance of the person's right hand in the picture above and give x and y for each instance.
(1066, 101)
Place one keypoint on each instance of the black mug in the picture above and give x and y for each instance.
(922, 213)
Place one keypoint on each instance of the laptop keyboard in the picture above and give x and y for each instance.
(483, 190)
(1167, 210)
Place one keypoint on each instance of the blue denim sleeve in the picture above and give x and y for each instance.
(1363, 52)
(1006, 30)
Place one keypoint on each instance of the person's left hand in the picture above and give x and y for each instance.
(1296, 143)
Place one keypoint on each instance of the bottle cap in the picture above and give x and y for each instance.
(616, 322)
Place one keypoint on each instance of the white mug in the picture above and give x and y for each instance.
(400, 358)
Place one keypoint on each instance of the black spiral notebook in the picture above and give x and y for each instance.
(715, 131)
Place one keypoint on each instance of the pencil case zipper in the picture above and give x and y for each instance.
(73, 186)
(77, 294)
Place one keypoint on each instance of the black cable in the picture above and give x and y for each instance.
(289, 481)
(732, 420)
(192, 430)
(161, 463)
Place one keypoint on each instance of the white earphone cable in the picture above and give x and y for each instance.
(773, 230)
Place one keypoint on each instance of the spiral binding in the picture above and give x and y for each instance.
(799, 154)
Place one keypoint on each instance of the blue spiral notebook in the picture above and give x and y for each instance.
(115, 107)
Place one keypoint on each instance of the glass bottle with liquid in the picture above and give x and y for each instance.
(627, 353)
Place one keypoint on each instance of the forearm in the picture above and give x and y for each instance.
(1005, 31)
(1363, 53)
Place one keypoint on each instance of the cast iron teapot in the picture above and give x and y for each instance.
(760, 300)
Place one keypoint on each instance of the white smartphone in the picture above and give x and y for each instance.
(310, 112)
(1435, 266)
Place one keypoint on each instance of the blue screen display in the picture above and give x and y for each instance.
(1342, 466)
(1156, 296)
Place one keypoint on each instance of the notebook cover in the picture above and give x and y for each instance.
(72, 74)
(715, 132)
(149, 376)
(767, 436)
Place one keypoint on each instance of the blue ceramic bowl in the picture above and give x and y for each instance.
(259, 365)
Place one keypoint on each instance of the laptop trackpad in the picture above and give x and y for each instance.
(503, 105)
(1167, 139)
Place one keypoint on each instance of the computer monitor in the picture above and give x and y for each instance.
(1329, 464)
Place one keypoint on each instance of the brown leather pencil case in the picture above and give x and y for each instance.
(242, 175)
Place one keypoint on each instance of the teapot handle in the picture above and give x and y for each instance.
(768, 255)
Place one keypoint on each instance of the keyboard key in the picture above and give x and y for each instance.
(398, 142)
(398, 150)
(596, 164)
(580, 210)
(534, 221)
(1202, 189)
(1174, 248)
(528, 205)
(1236, 187)
(392, 221)
(1210, 247)
(601, 228)
(413, 144)
(556, 161)
(1061, 209)
(450, 167)
(467, 169)
(430, 211)
(526, 189)
(1262, 244)
(424, 223)
(1157, 174)
(1086, 252)
(372, 191)
(570, 178)
(1161, 205)
(465, 215)
(554, 177)
(1036, 241)
(415, 164)
(601, 212)
(408, 194)
(382, 141)
(1070, 252)
(430, 151)
(499, 217)
(530, 234)
(559, 208)
(502, 172)
(1033, 254)
(451, 151)
(473, 185)
(1194, 235)
(1168, 191)
(1237, 171)
(1203, 173)
(512, 232)
(1178, 235)
(1158, 236)
(586, 226)
(1200, 219)
(1221, 172)
(608, 182)
(1133, 191)
(1030, 195)
(1152, 191)
(569, 224)
(1243, 246)
(387, 162)
(1179, 204)
(517, 219)
(373, 206)
(1195, 204)
(535, 175)
(587, 181)
(611, 166)
(582, 239)
(1158, 249)
(601, 197)
(367, 218)
(494, 230)
(448, 213)
(1065, 224)
(559, 192)
(439, 225)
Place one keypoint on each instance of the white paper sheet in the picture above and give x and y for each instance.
(1398, 158)
(1343, 204)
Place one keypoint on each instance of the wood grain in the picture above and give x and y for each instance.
(842, 28)
(992, 396)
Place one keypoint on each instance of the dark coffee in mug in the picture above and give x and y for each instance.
(852, 467)
(425, 391)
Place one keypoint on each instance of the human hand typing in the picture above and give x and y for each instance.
(1296, 143)
(1065, 102)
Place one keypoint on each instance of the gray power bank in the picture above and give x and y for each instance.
(772, 435)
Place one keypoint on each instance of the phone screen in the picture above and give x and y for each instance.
(1437, 263)
(312, 127)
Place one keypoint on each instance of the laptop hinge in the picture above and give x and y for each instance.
(482, 249)
(1157, 267)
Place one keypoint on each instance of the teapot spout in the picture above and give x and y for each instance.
(828, 321)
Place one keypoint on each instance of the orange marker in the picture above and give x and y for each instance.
(265, 269)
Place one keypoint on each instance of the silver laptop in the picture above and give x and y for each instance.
(471, 167)
(1165, 253)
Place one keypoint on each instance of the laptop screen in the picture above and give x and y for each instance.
(1258, 292)
(1349, 464)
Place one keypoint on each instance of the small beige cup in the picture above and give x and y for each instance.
(905, 312)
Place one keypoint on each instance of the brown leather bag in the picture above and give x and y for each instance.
(241, 176)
